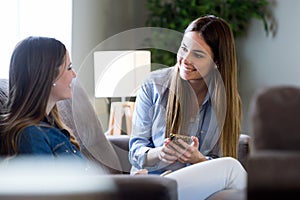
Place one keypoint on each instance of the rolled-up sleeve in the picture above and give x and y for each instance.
(140, 141)
(149, 120)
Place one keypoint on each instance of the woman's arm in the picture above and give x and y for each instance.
(140, 142)
(148, 129)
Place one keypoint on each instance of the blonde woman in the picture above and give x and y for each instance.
(198, 98)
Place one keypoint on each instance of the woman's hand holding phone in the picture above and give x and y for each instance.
(167, 154)
(187, 152)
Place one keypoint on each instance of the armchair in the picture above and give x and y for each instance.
(274, 162)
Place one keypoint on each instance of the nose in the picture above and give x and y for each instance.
(74, 73)
(187, 58)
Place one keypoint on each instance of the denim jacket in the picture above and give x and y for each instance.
(45, 140)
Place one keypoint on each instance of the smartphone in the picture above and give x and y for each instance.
(175, 137)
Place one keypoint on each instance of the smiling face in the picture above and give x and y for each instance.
(194, 57)
(62, 85)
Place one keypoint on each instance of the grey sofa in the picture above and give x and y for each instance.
(112, 153)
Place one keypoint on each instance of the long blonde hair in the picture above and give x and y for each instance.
(218, 35)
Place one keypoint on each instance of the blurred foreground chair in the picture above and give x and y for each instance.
(274, 161)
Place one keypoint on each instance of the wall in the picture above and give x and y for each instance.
(266, 60)
(93, 22)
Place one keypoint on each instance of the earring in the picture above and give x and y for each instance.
(54, 84)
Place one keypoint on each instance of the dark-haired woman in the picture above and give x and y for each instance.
(40, 74)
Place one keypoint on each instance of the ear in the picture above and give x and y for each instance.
(216, 64)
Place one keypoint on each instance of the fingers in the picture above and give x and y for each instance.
(141, 172)
(182, 151)
(168, 158)
(195, 142)
(167, 154)
(187, 153)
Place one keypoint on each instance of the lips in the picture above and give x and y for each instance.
(188, 68)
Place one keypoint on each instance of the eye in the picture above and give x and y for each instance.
(70, 67)
(198, 55)
(184, 49)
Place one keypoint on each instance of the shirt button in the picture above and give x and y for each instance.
(74, 151)
(67, 151)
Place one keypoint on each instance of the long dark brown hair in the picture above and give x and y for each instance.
(217, 34)
(34, 66)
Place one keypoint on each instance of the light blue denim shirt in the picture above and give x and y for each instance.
(149, 123)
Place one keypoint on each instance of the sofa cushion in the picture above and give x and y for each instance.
(78, 114)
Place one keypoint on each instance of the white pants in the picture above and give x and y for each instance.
(201, 180)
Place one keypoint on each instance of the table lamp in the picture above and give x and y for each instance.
(119, 74)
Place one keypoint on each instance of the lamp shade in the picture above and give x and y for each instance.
(120, 73)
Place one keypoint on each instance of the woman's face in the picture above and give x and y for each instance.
(194, 57)
(63, 83)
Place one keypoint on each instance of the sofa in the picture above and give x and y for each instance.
(274, 161)
(111, 152)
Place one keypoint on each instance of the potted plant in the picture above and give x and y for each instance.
(177, 14)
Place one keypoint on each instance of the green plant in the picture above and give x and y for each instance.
(177, 14)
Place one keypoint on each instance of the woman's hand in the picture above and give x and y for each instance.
(167, 153)
(188, 153)
(164, 153)
(141, 172)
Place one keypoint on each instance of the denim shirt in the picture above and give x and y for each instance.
(45, 140)
(149, 123)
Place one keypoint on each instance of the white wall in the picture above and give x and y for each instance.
(266, 60)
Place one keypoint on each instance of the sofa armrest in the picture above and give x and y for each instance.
(243, 149)
(145, 187)
(120, 144)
